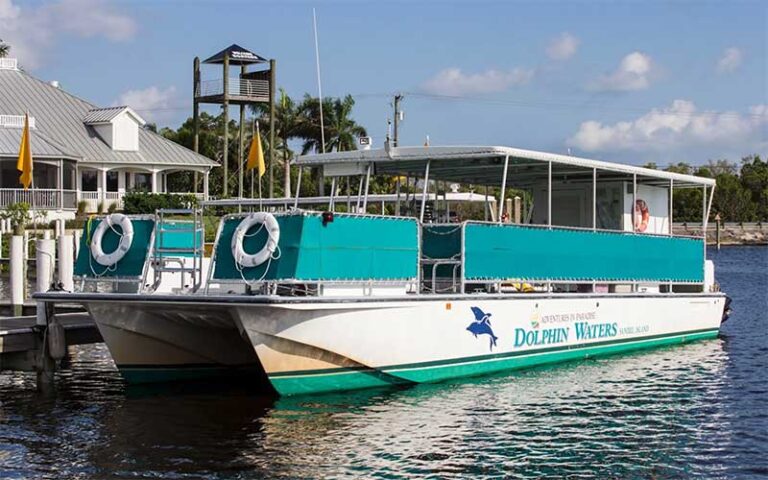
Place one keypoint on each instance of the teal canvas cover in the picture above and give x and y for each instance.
(131, 265)
(349, 248)
(517, 252)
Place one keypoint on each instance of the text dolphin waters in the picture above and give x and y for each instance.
(551, 336)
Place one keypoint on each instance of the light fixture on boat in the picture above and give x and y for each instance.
(327, 218)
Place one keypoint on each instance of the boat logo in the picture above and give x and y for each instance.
(535, 319)
(482, 326)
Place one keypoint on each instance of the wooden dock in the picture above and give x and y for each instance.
(23, 342)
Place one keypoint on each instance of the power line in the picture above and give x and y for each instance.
(524, 104)
(520, 103)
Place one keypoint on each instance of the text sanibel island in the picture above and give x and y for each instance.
(335, 299)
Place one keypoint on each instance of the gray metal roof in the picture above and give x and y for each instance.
(10, 139)
(483, 165)
(106, 115)
(59, 120)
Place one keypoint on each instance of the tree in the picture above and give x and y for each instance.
(754, 178)
(341, 131)
(339, 128)
(210, 144)
(288, 126)
(732, 201)
(4, 49)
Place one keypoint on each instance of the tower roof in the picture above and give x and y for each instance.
(237, 56)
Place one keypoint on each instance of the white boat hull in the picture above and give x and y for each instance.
(152, 344)
(326, 346)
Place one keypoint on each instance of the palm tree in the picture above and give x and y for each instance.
(4, 48)
(340, 129)
(288, 125)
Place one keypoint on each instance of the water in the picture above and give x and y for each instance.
(694, 410)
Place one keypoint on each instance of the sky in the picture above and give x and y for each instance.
(634, 82)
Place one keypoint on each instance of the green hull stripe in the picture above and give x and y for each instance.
(354, 378)
(482, 358)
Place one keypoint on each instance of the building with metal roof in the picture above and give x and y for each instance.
(81, 151)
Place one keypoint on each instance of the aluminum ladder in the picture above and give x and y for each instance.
(186, 260)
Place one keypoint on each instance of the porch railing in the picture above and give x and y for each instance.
(39, 198)
(54, 199)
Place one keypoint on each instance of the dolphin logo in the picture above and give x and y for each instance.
(482, 325)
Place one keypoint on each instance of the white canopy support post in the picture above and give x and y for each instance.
(503, 187)
(367, 186)
(359, 194)
(298, 188)
(486, 205)
(671, 204)
(424, 191)
(634, 202)
(333, 192)
(349, 196)
(397, 191)
(594, 199)
(549, 194)
(709, 207)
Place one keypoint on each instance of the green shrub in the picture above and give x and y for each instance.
(112, 208)
(81, 206)
(19, 215)
(143, 203)
(100, 208)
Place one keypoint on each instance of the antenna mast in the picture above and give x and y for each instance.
(319, 86)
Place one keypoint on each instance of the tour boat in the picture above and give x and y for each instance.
(582, 263)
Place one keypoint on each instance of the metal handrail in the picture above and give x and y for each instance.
(236, 87)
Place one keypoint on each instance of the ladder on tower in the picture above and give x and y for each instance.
(179, 247)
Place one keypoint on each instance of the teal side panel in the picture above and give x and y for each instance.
(349, 248)
(441, 241)
(177, 234)
(358, 248)
(511, 251)
(284, 266)
(131, 265)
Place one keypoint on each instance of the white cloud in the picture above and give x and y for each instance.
(678, 126)
(730, 60)
(33, 31)
(563, 46)
(152, 103)
(452, 81)
(635, 72)
(8, 11)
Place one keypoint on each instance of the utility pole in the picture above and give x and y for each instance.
(398, 98)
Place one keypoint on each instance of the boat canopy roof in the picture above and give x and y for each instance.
(484, 165)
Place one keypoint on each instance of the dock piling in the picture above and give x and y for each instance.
(45, 261)
(17, 273)
(66, 262)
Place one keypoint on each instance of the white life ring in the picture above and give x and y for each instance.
(126, 239)
(273, 232)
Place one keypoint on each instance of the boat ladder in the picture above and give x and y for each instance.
(179, 247)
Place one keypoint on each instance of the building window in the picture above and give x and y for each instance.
(69, 176)
(90, 181)
(142, 182)
(112, 181)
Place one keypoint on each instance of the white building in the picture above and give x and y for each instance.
(80, 151)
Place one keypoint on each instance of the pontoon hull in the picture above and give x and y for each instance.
(360, 343)
(173, 342)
